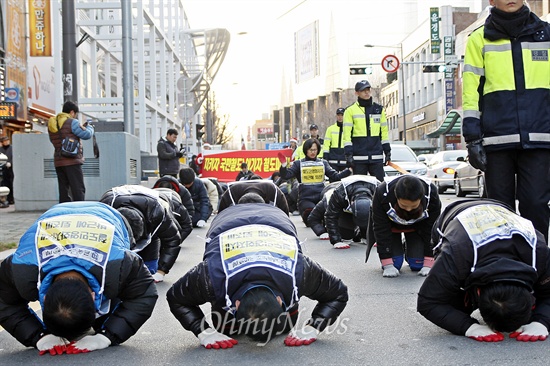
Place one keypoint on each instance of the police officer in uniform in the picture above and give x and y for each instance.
(333, 146)
(366, 142)
(507, 109)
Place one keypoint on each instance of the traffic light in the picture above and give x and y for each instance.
(360, 70)
(198, 133)
(433, 68)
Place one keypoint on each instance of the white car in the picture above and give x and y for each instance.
(405, 157)
(441, 168)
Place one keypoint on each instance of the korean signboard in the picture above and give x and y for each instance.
(435, 41)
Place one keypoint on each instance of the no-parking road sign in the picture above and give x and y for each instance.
(390, 63)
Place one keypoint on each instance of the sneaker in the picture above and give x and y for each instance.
(4, 205)
(341, 245)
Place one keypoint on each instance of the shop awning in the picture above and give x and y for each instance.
(451, 125)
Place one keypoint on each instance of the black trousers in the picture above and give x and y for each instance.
(375, 169)
(70, 181)
(523, 175)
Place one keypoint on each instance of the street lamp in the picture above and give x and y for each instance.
(402, 77)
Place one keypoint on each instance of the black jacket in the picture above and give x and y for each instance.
(159, 222)
(384, 199)
(169, 162)
(178, 210)
(203, 209)
(185, 196)
(445, 297)
(267, 189)
(341, 199)
(316, 219)
(195, 288)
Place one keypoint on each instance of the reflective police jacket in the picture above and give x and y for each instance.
(384, 220)
(480, 242)
(88, 237)
(333, 146)
(221, 280)
(350, 189)
(506, 92)
(310, 174)
(366, 142)
(159, 220)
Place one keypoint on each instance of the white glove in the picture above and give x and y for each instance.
(201, 223)
(390, 271)
(89, 343)
(51, 344)
(341, 245)
(210, 338)
(424, 271)
(302, 337)
(324, 236)
(158, 277)
(531, 332)
(483, 333)
(8, 165)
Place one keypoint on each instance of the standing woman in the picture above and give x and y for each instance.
(310, 173)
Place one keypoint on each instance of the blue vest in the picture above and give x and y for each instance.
(81, 236)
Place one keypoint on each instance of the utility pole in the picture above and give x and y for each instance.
(70, 91)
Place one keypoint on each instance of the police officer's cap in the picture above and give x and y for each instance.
(313, 127)
(340, 111)
(361, 85)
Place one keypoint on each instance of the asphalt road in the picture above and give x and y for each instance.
(380, 326)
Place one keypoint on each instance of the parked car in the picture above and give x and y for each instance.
(405, 157)
(425, 158)
(469, 180)
(441, 168)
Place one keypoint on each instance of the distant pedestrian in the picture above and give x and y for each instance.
(68, 167)
(168, 154)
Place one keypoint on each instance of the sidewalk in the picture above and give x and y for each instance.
(13, 225)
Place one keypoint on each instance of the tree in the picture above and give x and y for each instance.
(222, 130)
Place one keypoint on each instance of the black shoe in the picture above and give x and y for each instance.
(4, 205)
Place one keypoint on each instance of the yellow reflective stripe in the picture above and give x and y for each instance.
(385, 141)
(349, 124)
(537, 136)
(357, 116)
(497, 140)
(348, 144)
(367, 158)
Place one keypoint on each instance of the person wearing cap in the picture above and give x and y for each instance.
(488, 258)
(333, 146)
(168, 154)
(313, 134)
(348, 210)
(253, 274)
(155, 231)
(7, 170)
(366, 140)
(407, 205)
(94, 292)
